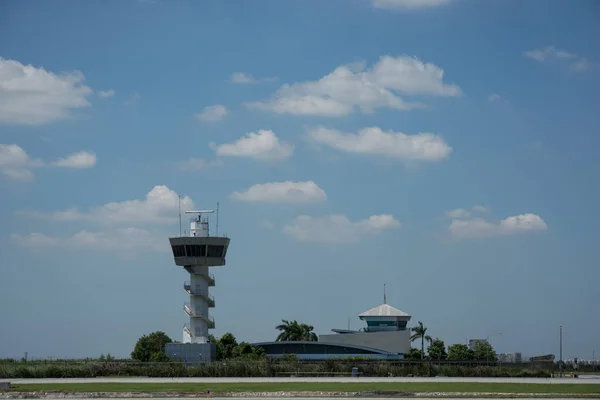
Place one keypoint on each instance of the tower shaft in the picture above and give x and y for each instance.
(196, 253)
(198, 304)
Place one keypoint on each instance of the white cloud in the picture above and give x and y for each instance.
(354, 86)
(459, 213)
(264, 145)
(106, 93)
(577, 63)
(480, 209)
(494, 97)
(212, 113)
(244, 77)
(479, 227)
(159, 206)
(374, 141)
(82, 159)
(16, 164)
(304, 105)
(128, 239)
(548, 53)
(338, 228)
(581, 65)
(34, 96)
(282, 192)
(409, 4)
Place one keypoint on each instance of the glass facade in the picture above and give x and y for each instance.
(198, 250)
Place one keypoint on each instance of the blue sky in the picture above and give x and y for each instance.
(448, 150)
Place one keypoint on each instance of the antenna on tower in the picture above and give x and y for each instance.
(217, 219)
(179, 196)
(198, 226)
(384, 296)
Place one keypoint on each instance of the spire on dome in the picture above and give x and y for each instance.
(384, 296)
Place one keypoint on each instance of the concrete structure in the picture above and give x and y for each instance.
(510, 357)
(322, 350)
(196, 253)
(386, 330)
(386, 336)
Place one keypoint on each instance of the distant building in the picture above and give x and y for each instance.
(544, 358)
(510, 358)
(474, 342)
(385, 337)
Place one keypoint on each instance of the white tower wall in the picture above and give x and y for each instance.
(196, 253)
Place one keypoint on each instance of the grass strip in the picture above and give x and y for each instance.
(312, 387)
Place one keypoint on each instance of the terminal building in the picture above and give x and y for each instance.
(386, 337)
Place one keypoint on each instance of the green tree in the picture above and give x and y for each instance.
(246, 350)
(437, 350)
(460, 352)
(228, 347)
(106, 358)
(159, 357)
(151, 347)
(420, 332)
(225, 346)
(414, 354)
(295, 331)
(484, 351)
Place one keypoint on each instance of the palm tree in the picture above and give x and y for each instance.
(420, 333)
(295, 331)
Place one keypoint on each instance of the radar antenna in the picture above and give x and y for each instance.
(200, 212)
(198, 226)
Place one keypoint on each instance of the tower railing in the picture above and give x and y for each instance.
(194, 313)
(188, 330)
(208, 276)
(197, 290)
(211, 279)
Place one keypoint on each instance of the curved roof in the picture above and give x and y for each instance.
(309, 343)
(384, 310)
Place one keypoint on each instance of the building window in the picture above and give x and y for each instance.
(178, 251)
(214, 251)
(195, 250)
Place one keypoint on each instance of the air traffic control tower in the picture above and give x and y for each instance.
(196, 253)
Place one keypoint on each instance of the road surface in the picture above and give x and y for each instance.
(558, 381)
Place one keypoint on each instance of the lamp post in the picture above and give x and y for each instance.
(488, 341)
(560, 366)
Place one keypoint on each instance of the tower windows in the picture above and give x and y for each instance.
(196, 250)
(214, 251)
(178, 251)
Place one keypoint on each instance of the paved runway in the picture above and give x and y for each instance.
(325, 398)
(557, 381)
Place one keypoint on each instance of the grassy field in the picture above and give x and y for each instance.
(312, 387)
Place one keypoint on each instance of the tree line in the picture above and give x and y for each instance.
(151, 348)
(482, 350)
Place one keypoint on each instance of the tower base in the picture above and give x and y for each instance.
(192, 353)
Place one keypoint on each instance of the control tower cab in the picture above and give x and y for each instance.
(196, 253)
